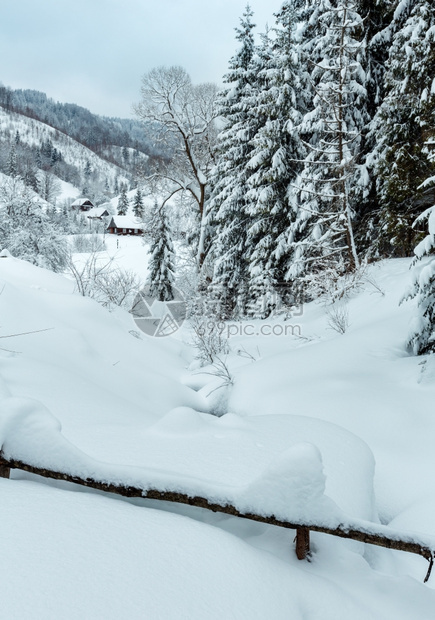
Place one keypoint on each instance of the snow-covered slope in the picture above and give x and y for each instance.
(131, 402)
(33, 132)
(363, 380)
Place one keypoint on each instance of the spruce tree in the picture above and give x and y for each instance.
(123, 202)
(328, 190)
(377, 29)
(226, 207)
(405, 128)
(161, 264)
(12, 166)
(422, 336)
(275, 158)
(138, 207)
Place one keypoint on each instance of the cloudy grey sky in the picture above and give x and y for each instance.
(94, 52)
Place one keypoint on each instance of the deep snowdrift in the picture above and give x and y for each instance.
(313, 410)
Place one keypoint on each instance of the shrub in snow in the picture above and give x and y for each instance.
(208, 338)
(88, 243)
(100, 280)
(338, 317)
(422, 335)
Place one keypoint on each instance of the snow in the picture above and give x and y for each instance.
(33, 132)
(326, 426)
(77, 555)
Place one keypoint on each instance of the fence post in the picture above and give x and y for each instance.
(302, 542)
(5, 472)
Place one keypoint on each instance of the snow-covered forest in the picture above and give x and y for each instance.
(217, 374)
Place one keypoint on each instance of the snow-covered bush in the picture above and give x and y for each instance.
(26, 230)
(338, 317)
(88, 243)
(102, 281)
(422, 334)
(208, 338)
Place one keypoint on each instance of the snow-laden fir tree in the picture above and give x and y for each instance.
(12, 166)
(377, 35)
(378, 28)
(326, 193)
(422, 335)
(226, 207)
(138, 207)
(405, 128)
(276, 155)
(161, 263)
(123, 202)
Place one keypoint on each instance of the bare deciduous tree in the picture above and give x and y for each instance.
(182, 115)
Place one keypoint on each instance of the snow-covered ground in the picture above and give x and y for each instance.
(321, 420)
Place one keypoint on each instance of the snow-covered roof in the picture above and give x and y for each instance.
(97, 212)
(125, 221)
(81, 201)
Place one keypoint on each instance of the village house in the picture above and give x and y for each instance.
(97, 213)
(124, 225)
(82, 204)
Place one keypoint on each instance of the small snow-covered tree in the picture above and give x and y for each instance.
(422, 336)
(138, 207)
(123, 202)
(49, 186)
(12, 167)
(26, 231)
(161, 264)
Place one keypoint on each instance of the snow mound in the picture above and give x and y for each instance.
(291, 488)
(295, 481)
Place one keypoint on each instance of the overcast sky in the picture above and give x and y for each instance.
(94, 52)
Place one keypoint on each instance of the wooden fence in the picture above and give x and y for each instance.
(384, 537)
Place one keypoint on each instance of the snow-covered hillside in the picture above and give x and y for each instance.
(33, 133)
(357, 400)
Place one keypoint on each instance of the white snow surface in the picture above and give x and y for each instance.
(323, 426)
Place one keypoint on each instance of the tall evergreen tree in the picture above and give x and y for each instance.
(329, 188)
(161, 265)
(275, 158)
(227, 203)
(377, 33)
(405, 127)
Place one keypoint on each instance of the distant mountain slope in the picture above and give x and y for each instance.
(37, 152)
(94, 131)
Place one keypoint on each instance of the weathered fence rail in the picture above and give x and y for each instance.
(366, 535)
